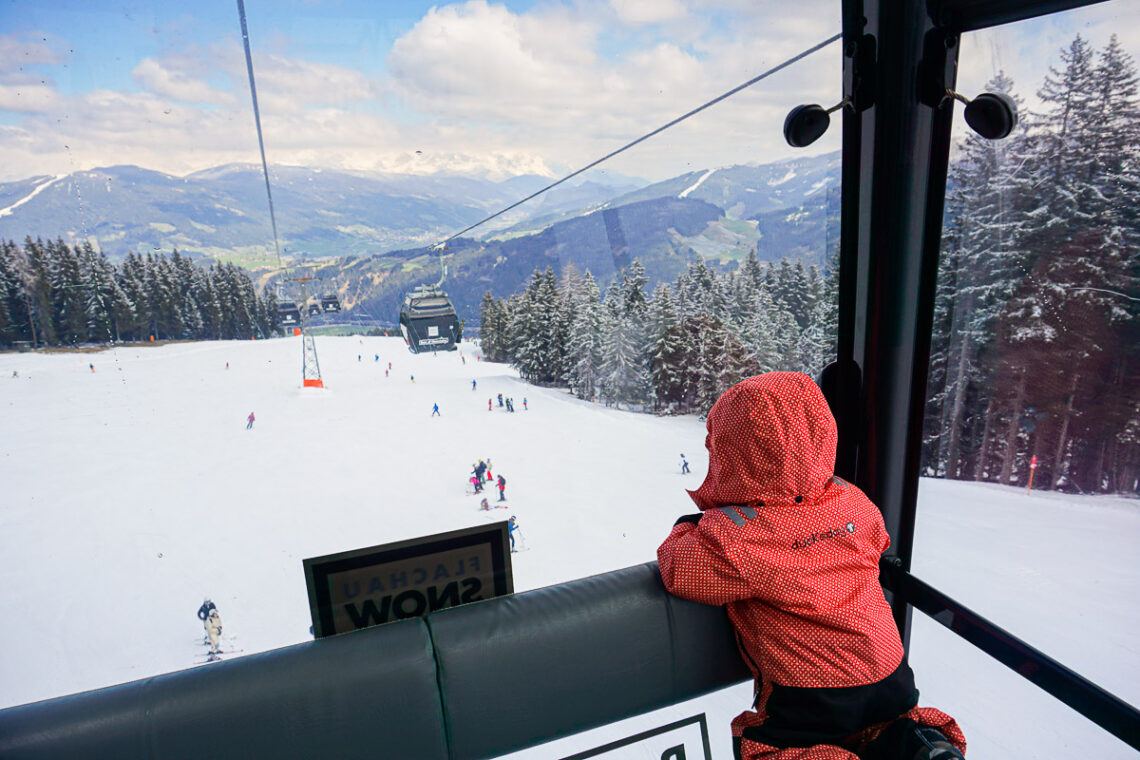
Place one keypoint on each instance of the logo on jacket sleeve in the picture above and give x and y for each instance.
(803, 543)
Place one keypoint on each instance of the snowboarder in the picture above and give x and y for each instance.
(483, 505)
(92, 366)
(810, 616)
(502, 484)
(249, 421)
(472, 385)
(435, 410)
(512, 526)
(214, 631)
(524, 404)
(684, 465)
(203, 613)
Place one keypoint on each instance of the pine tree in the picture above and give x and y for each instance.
(584, 352)
(666, 352)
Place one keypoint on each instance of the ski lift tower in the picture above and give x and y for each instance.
(310, 367)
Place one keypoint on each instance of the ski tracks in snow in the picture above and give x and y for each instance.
(39, 189)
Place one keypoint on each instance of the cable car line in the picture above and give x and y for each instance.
(646, 136)
(257, 122)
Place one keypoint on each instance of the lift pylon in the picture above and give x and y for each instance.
(310, 366)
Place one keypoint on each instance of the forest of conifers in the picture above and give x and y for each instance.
(676, 350)
(1036, 337)
(53, 294)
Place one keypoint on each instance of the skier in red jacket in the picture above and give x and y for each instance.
(793, 551)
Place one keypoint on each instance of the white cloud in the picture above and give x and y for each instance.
(644, 12)
(16, 52)
(27, 98)
(166, 82)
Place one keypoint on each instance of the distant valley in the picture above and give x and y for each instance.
(367, 236)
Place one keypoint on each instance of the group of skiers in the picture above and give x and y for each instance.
(508, 403)
(481, 469)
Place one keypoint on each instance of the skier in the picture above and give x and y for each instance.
(512, 526)
(16, 374)
(480, 469)
(249, 421)
(502, 484)
(358, 357)
(477, 478)
(684, 465)
(472, 385)
(488, 405)
(524, 404)
(413, 378)
(389, 365)
(793, 553)
(435, 410)
(376, 357)
(214, 632)
(92, 366)
(500, 399)
(203, 613)
(483, 505)
(227, 365)
(385, 373)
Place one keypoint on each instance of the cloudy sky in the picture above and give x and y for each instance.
(499, 88)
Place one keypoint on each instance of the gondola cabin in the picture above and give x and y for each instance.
(428, 321)
(329, 302)
(288, 314)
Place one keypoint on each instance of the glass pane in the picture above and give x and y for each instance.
(1027, 509)
(1002, 714)
(162, 443)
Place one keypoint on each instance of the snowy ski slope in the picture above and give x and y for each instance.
(131, 492)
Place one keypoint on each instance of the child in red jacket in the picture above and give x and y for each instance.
(793, 551)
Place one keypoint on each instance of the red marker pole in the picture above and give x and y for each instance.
(1032, 469)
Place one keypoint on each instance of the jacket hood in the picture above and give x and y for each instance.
(771, 438)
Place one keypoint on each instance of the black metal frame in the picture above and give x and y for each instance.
(895, 156)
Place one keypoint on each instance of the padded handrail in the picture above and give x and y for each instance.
(556, 661)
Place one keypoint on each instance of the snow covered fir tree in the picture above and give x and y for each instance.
(53, 294)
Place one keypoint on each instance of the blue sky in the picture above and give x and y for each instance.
(475, 86)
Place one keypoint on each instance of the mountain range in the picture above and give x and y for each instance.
(367, 235)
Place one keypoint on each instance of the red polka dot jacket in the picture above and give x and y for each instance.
(790, 549)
